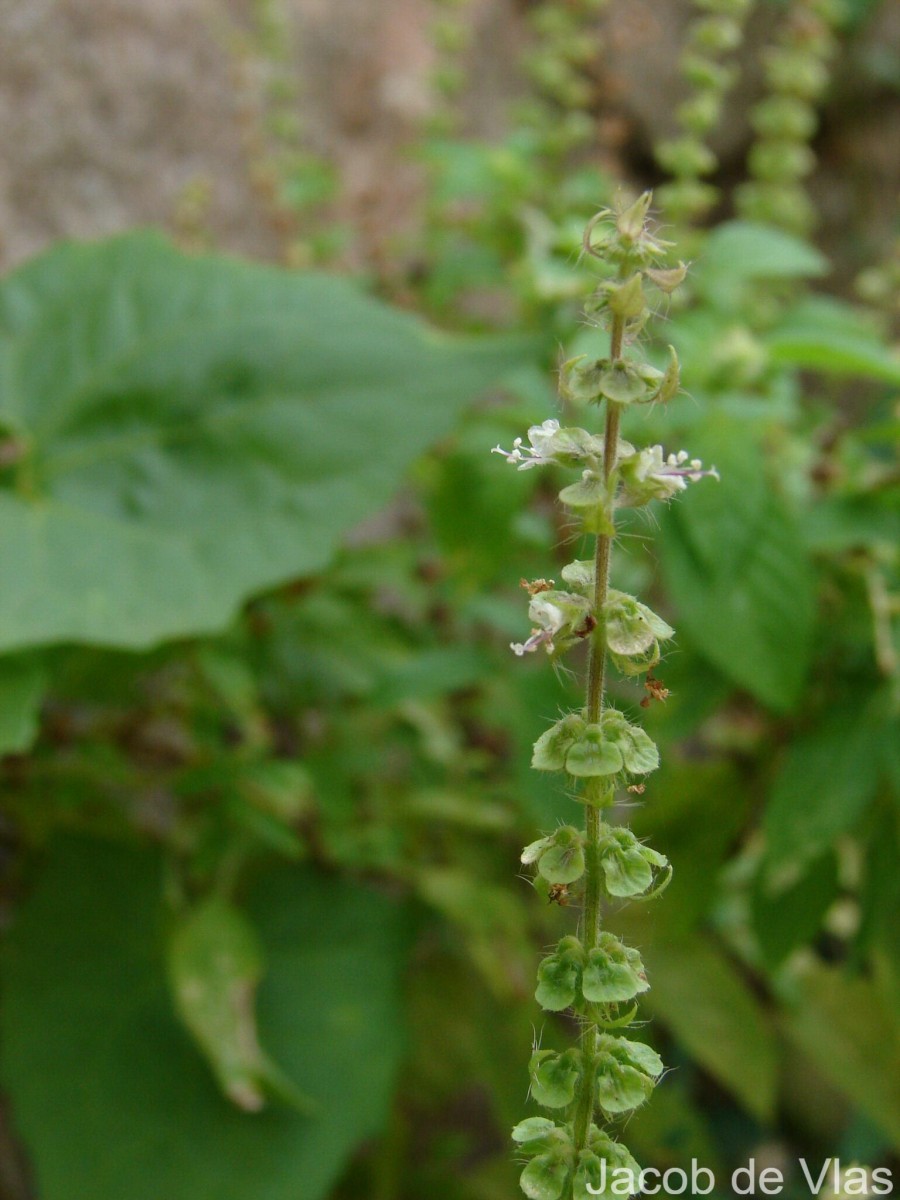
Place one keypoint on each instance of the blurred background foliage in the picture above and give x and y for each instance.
(265, 776)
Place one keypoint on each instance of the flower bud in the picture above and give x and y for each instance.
(630, 221)
(667, 279)
(627, 300)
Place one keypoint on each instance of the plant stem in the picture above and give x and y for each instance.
(584, 1110)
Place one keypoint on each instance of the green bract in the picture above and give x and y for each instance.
(592, 755)
(536, 1133)
(592, 498)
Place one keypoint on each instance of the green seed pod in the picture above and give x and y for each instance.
(613, 973)
(559, 976)
(784, 117)
(706, 74)
(715, 35)
(795, 74)
(772, 161)
(686, 156)
(687, 198)
(592, 756)
(563, 860)
(700, 114)
(545, 1177)
(626, 1074)
(781, 204)
(628, 865)
(554, 1077)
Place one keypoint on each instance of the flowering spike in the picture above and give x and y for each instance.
(598, 748)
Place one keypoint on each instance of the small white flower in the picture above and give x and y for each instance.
(539, 453)
(649, 475)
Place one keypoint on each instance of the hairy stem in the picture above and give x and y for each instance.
(584, 1110)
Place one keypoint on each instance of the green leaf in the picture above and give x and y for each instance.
(843, 1026)
(826, 782)
(790, 916)
(742, 250)
(717, 1019)
(22, 683)
(199, 429)
(101, 1074)
(756, 620)
(823, 334)
(215, 966)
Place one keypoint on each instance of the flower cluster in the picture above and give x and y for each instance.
(598, 748)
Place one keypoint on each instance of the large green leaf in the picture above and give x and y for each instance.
(196, 429)
(824, 334)
(112, 1098)
(828, 778)
(739, 575)
(844, 1027)
(738, 251)
(715, 1016)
